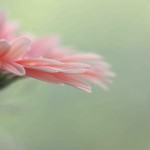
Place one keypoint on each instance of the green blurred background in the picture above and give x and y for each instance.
(49, 117)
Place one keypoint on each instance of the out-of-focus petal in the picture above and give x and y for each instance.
(8, 29)
(81, 57)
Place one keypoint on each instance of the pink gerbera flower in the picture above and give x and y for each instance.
(46, 60)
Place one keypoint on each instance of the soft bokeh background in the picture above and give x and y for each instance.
(49, 117)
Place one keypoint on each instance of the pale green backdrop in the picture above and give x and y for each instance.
(48, 117)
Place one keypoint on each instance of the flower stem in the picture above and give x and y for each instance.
(7, 79)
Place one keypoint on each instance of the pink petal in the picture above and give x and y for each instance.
(58, 78)
(13, 68)
(39, 61)
(54, 65)
(42, 46)
(44, 76)
(73, 81)
(4, 48)
(18, 48)
(81, 57)
(7, 28)
(43, 69)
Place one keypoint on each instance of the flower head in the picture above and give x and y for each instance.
(46, 60)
